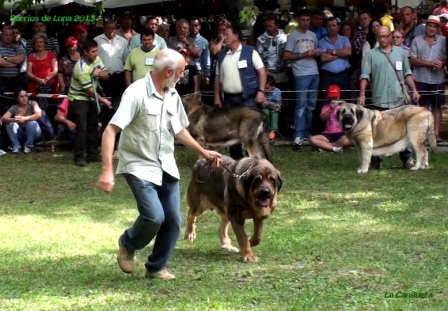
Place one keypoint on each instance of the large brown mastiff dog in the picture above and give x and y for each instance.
(237, 190)
(225, 127)
(387, 132)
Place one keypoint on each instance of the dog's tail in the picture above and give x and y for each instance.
(431, 135)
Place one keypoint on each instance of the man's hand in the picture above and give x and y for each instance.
(107, 103)
(260, 98)
(213, 155)
(96, 72)
(218, 102)
(361, 100)
(183, 39)
(71, 125)
(416, 96)
(106, 182)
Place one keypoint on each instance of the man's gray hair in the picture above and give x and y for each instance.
(166, 60)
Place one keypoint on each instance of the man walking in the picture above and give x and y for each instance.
(386, 88)
(151, 116)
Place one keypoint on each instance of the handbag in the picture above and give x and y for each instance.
(404, 87)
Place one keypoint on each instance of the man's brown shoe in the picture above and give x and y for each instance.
(125, 258)
(162, 274)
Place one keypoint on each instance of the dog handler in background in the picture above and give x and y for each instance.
(150, 116)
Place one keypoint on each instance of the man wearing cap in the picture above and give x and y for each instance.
(125, 31)
(52, 43)
(140, 60)
(81, 33)
(182, 41)
(428, 56)
(151, 23)
(386, 89)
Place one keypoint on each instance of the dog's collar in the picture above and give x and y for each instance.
(236, 176)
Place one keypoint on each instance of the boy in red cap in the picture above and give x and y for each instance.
(332, 138)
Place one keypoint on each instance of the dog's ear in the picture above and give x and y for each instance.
(279, 182)
(359, 113)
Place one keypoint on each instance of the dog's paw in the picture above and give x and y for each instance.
(230, 248)
(416, 168)
(250, 258)
(362, 171)
(190, 236)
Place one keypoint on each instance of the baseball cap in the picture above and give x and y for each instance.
(184, 51)
(80, 28)
(71, 41)
(445, 16)
(333, 91)
(433, 19)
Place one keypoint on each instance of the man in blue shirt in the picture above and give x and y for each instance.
(203, 61)
(335, 51)
(317, 19)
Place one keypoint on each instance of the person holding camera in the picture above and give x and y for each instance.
(332, 138)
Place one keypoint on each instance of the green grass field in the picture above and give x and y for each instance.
(337, 241)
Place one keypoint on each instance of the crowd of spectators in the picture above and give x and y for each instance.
(279, 71)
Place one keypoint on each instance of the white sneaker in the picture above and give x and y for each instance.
(298, 141)
(2, 152)
(337, 149)
(27, 150)
(15, 150)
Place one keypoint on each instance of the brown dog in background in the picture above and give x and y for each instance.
(247, 189)
(225, 127)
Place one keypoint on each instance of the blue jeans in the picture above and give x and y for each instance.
(159, 214)
(28, 134)
(305, 104)
(67, 132)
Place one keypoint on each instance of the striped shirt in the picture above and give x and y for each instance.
(82, 78)
(10, 51)
(52, 45)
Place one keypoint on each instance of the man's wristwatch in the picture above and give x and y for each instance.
(5, 57)
(334, 52)
(260, 90)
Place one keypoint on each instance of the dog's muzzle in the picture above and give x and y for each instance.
(347, 122)
(264, 197)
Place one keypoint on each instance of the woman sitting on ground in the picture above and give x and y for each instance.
(332, 138)
(21, 125)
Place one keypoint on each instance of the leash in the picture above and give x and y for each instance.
(236, 176)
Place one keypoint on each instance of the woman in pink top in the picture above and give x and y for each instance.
(332, 138)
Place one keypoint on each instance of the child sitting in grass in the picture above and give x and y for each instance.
(332, 138)
(272, 105)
